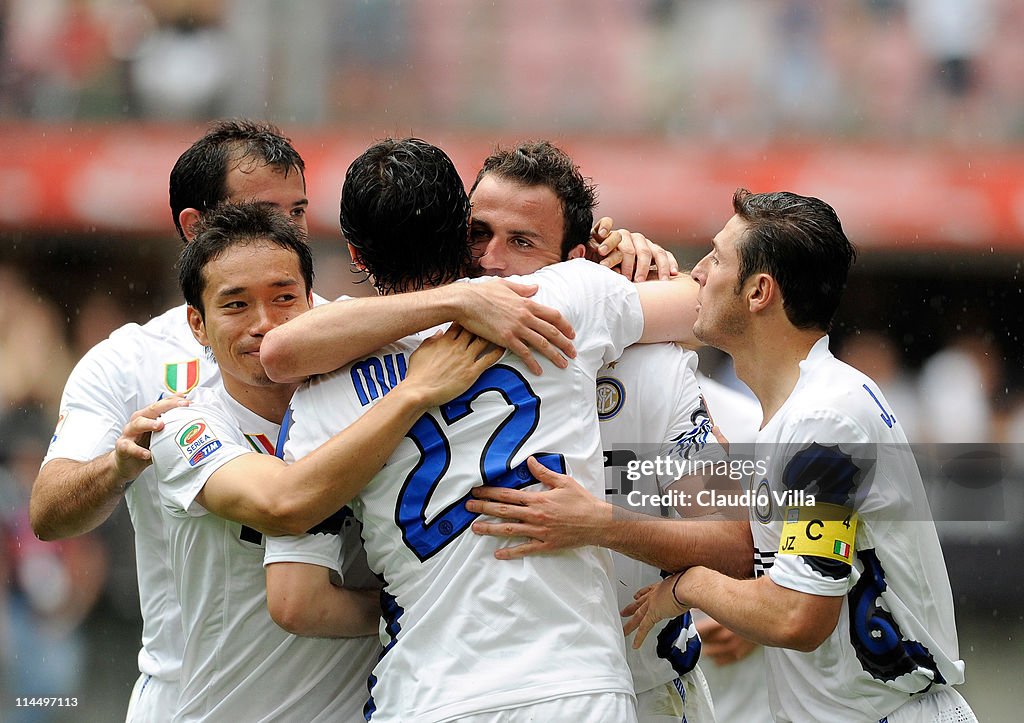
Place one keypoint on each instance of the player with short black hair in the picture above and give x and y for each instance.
(541, 163)
(202, 175)
(851, 593)
(114, 396)
(223, 489)
(400, 211)
(230, 225)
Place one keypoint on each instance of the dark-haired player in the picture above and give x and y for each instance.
(851, 594)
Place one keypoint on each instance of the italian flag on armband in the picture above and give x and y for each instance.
(181, 377)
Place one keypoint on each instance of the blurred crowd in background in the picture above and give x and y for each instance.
(858, 68)
(949, 71)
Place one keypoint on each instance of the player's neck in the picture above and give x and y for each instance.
(770, 364)
(269, 401)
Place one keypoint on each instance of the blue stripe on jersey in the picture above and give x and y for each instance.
(392, 612)
(282, 436)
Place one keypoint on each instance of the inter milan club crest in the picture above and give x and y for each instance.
(610, 396)
(181, 377)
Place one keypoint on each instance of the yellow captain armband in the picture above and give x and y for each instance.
(822, 530)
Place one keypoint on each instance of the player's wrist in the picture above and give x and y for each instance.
(452, 301)
(119, 477)
(415, 396)
(681, 604)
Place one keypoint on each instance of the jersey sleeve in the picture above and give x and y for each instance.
(98, 400)
(323, 549)
(822, 482)
(602, 306)
(195, 442)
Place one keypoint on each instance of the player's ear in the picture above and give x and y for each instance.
(357, 262)
(761, 291)
(197, 325)
(578, 251)
(188, 218)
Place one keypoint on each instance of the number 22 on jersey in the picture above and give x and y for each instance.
(426, 538)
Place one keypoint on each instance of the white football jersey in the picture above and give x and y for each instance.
(467, 633)
(134, 367)
(237, 663)
(739, 688)
(649, 405)
(836, 439)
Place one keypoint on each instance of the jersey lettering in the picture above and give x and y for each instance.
(374, 377)
(886, 417)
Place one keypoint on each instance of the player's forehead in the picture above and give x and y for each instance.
(726, 242)
(250, 266)
(509, 206)
(252, 180)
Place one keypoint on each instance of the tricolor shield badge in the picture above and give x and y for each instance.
(181, 377)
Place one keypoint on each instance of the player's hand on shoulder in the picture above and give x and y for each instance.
(631, 254)
(446, 365)
(131, 453)
(502, 312)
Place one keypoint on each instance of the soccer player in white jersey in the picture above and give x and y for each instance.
(115, 394)
(98, 447)
(533, 639)
(532, 208)
(852, 593)
(247, 270)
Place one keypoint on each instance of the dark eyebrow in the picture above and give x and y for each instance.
(524, 232)
(236, 290)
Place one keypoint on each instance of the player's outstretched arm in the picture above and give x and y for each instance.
(670, 311)
(566, 515)
(302, 600)
(71, 498)
(332, 335)
(759, 610)
(293, 497)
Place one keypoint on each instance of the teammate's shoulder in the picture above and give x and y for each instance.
(171, 324)
(653, 360)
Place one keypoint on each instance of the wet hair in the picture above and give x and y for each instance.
(799, 241)
(199, 177)
(238, 224)
(404, 209)
(540, 163)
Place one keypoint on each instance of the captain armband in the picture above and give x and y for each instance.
(822, 530)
